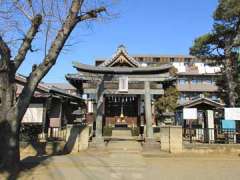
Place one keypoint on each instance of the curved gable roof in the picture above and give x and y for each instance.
(202, 100)
(121, 70)
(121, 57)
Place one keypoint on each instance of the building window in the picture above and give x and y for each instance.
(193, 81)
(123, 83)
(156, 59)
(181, 81)
(214, 97)
(199, 81)
(208, 81)
(187, 61)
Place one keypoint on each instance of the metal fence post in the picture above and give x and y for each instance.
(169, 139)
(190, 127)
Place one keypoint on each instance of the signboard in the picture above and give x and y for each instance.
(228, 124)
(90, 107)
(232, 113)
(34, 114)
(210, 125)
(210, 119)
(190, 113)
(123, 84)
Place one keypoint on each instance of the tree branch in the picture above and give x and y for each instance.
(5, 55)
(27, 41)
(36, 76)
(91, 14)
(21, 9)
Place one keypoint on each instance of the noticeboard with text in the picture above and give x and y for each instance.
(34, 114)
(232, 113)
(190, 113)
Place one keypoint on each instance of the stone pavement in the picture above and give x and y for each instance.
(131, 165)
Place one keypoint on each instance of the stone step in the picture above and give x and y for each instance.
(122, 138)
(121, 133)
(156, 153)
(124, 146)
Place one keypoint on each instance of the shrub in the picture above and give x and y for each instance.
(135, 131)
(30, 132)
(107, 131)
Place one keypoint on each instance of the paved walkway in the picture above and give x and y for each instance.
(128, 165)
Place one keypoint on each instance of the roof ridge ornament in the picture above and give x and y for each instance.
(121, 49)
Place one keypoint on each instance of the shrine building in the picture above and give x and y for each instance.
(121, 91)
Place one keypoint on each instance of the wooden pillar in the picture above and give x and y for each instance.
(44, 122)
(99, 113)
(148, 110)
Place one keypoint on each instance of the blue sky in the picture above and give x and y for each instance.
(144, 27)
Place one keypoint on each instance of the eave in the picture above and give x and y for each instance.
(121, 70)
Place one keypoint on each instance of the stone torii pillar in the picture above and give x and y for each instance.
(98, 141)
(148, 110)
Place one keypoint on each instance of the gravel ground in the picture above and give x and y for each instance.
(130, 165)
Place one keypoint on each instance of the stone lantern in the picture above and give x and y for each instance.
(79, 116)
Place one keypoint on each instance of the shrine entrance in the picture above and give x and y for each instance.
(123, 90)
(122, 111)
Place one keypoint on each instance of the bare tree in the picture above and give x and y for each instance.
(45, 16)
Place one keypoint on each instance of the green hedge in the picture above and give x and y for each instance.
(135, 131)
(107, 131)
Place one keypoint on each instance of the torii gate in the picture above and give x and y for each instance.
(140, 74)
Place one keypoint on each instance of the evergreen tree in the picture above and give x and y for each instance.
(168, 101)
(221, 44)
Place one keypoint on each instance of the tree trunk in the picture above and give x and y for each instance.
(231, 84)
(9, 151)
(9, 124)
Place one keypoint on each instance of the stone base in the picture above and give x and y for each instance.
(150, 144)
(171, 139)
(98, 142)
(77, 138)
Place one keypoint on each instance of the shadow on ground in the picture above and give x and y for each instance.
(41, 158)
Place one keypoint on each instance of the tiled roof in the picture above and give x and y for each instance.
(42, 89)
(65, 86)
(120, 70)
(201, 100)
(121, 50)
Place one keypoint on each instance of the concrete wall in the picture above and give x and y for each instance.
(76, 140)
(171, 139)
(41, 148)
